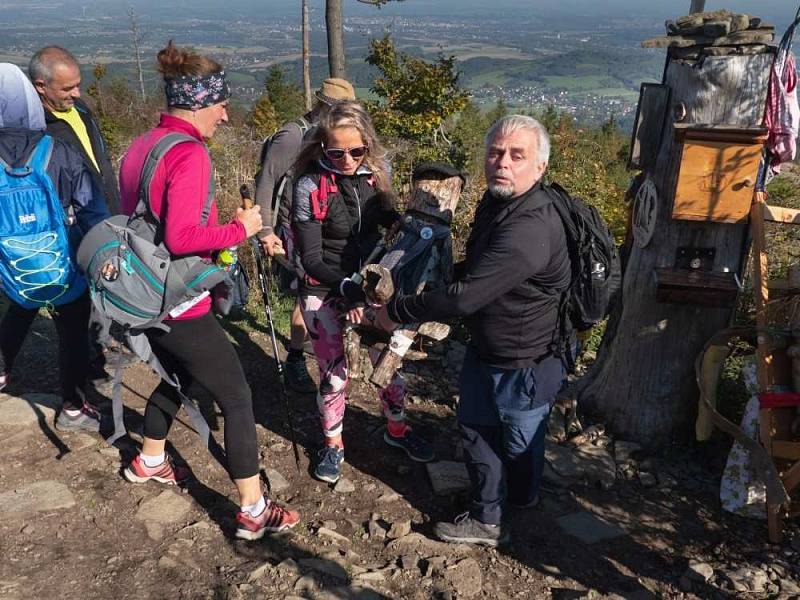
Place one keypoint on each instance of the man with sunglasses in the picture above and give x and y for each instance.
(274, 191)
(508, 289)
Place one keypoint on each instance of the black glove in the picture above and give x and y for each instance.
(352, 292)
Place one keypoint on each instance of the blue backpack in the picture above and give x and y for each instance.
(37, 266)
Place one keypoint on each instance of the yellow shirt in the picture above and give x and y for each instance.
(73, 119)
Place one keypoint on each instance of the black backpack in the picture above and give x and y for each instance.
(596, 271)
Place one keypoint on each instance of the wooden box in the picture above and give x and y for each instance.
(694, 286)
(718, 171)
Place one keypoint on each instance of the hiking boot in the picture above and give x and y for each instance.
(272, 519)
(297, 377)
(329, 467)
(167, 472)
(416, 448)
(537, 500)
(466, 530)
(88, 419)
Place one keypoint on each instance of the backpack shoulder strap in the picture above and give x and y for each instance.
(40, 157)
(154, 156)
(319, 197)
(303, 125)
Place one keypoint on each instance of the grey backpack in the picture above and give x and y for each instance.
(135, 282)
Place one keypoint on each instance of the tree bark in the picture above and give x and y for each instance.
(306, 60)
(333, 23)
(642, 384)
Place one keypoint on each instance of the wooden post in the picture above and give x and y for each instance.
(652, 398)
(333, 23)
(697, 6)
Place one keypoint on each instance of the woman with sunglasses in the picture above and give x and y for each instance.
(341, 198)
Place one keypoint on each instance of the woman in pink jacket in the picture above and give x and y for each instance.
(195, 349)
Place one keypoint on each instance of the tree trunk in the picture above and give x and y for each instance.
(137, 51)
(306, 61)
(697, 6)
(333, 23)
(643, 383)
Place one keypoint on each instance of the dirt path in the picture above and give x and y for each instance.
(71, 527)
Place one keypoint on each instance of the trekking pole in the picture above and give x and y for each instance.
(258, 252)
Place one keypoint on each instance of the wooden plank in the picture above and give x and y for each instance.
(778, 214)
(651, 113)
(787, 450)
(761, 291)
(688, 286)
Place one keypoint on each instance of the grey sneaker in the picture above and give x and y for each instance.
(466, 530)
(416, 448)
(297, 377)
(87, 420)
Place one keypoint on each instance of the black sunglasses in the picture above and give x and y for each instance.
(338, 153)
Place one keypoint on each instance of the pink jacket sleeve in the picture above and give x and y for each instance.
(187, 175)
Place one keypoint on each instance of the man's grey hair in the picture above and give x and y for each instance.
(47, 59)
(512, 123)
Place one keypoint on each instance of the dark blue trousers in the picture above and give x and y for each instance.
(502, 416)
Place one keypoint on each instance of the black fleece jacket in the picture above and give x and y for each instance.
(509, 286)
(105, 179)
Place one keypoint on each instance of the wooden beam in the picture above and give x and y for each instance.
(778, 214)
(697, 6)
(787, 450)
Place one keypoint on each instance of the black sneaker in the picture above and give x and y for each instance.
(466, 530)
(416, 448)
(297, 377)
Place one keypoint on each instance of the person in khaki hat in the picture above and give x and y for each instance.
(274, 193)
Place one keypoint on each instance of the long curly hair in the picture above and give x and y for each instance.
(347, 114)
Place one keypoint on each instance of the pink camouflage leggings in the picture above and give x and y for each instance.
(325, 323)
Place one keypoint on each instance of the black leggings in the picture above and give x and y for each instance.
(196, 350)
(72, 326)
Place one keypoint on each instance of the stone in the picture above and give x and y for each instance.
(344, 486)
(399, 529)
(166, 562)
(389, 497)
(39, 496)
(624, 451)
(166, 508)
(258, 572)
(332, 535)
(447, 477)
(717, 29)
(371, 576)
(465, 577)
(409, 561)
(435, 565)
(597, 464)
(277, 482)
(589, 528)
(787, 586)
(27, 409)
(647, 480)
(748, 579)
(376, 531)
(562, 460)
(416, 543)
(324, 566)
(699, 571)
(288, 565)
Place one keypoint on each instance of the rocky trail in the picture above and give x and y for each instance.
(614, 522)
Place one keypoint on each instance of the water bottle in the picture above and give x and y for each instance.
(227, 257)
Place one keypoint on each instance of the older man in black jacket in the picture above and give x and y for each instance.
(508, 289)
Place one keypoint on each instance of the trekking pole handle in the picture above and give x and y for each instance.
(247, 199)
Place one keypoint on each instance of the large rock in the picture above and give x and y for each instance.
(277, 482)
(597, 464)
(168, 507)
(39, 496)
(748, 579)
(325, 566)
(447, 477)
(465, 577)
(562, 460)
(416, 543)
(589, 528)
(28, 408)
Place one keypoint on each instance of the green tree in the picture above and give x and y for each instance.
(286, 97)
(263, 119)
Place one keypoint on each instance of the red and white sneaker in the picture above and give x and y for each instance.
(272, 519)
(166, 472)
